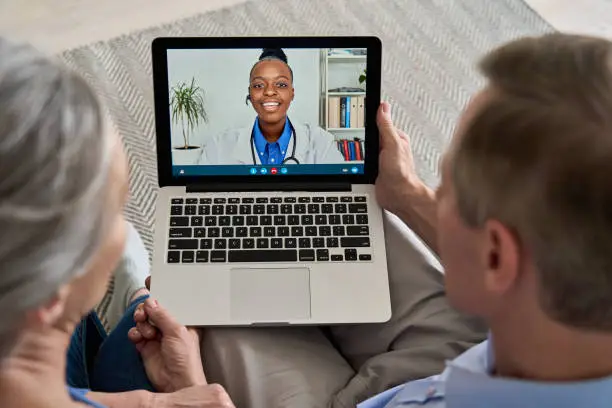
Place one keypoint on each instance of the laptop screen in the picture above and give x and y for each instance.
(272, 111)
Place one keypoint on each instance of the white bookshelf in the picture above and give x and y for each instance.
(341, 70)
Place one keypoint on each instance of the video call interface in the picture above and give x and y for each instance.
(271, 111)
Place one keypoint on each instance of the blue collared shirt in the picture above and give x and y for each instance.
(467, 383)
(271, 153)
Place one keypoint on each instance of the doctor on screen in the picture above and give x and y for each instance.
(273, 139)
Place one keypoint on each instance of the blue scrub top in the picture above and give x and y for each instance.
(271, 153)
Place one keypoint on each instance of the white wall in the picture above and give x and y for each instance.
(224, 77)
(345, 74)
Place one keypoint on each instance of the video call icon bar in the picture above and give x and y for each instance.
(264, 170)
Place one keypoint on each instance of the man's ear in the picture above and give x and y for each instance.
(51, 311)
(501, 257)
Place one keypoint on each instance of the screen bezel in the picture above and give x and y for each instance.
(161, 45)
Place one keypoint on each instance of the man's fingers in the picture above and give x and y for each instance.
(146, 330)
(139, 313)
(148, 348)
(383, 117)
(135, 336)
(386, 129)
(140, 346)
(161, 318)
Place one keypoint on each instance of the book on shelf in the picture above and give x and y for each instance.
(346, 150)
(351, 149)
(358, 149)
(346, 112)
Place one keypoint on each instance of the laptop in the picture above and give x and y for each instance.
(267, 154)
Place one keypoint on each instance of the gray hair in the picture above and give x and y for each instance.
(54, 165)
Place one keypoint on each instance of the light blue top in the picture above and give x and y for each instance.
(467, 383)
(79, 395)
(271, 153)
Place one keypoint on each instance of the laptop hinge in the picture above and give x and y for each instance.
(276, 186)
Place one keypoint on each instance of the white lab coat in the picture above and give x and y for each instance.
(233, 146)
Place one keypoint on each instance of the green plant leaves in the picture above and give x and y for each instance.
(187, 107)
(362, 77)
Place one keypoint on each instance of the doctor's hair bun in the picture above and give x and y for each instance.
(273, 53)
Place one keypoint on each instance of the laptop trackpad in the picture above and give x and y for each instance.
(270, 294)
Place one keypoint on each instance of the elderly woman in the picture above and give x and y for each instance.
(63, 185)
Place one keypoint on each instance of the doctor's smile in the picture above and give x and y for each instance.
(271, 106)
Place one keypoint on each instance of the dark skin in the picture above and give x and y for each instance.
(271, 92)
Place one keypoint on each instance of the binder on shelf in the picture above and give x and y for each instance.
(347, 120)
(346, 112)
(354, 112)
(343, 112)
(333, 112)
(360, 108)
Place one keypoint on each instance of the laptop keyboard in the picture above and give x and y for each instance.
(275, 229)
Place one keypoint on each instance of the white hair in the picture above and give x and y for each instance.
(54, 166)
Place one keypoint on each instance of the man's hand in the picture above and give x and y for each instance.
(397, 177)
(200, 396)
(398, 187)
(169, 350)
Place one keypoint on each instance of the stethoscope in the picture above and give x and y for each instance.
(291, 157)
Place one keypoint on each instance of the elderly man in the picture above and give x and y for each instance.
(523, 224)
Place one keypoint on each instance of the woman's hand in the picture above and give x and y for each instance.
(169, 350)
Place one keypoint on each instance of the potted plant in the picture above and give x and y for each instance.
(187, 109)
